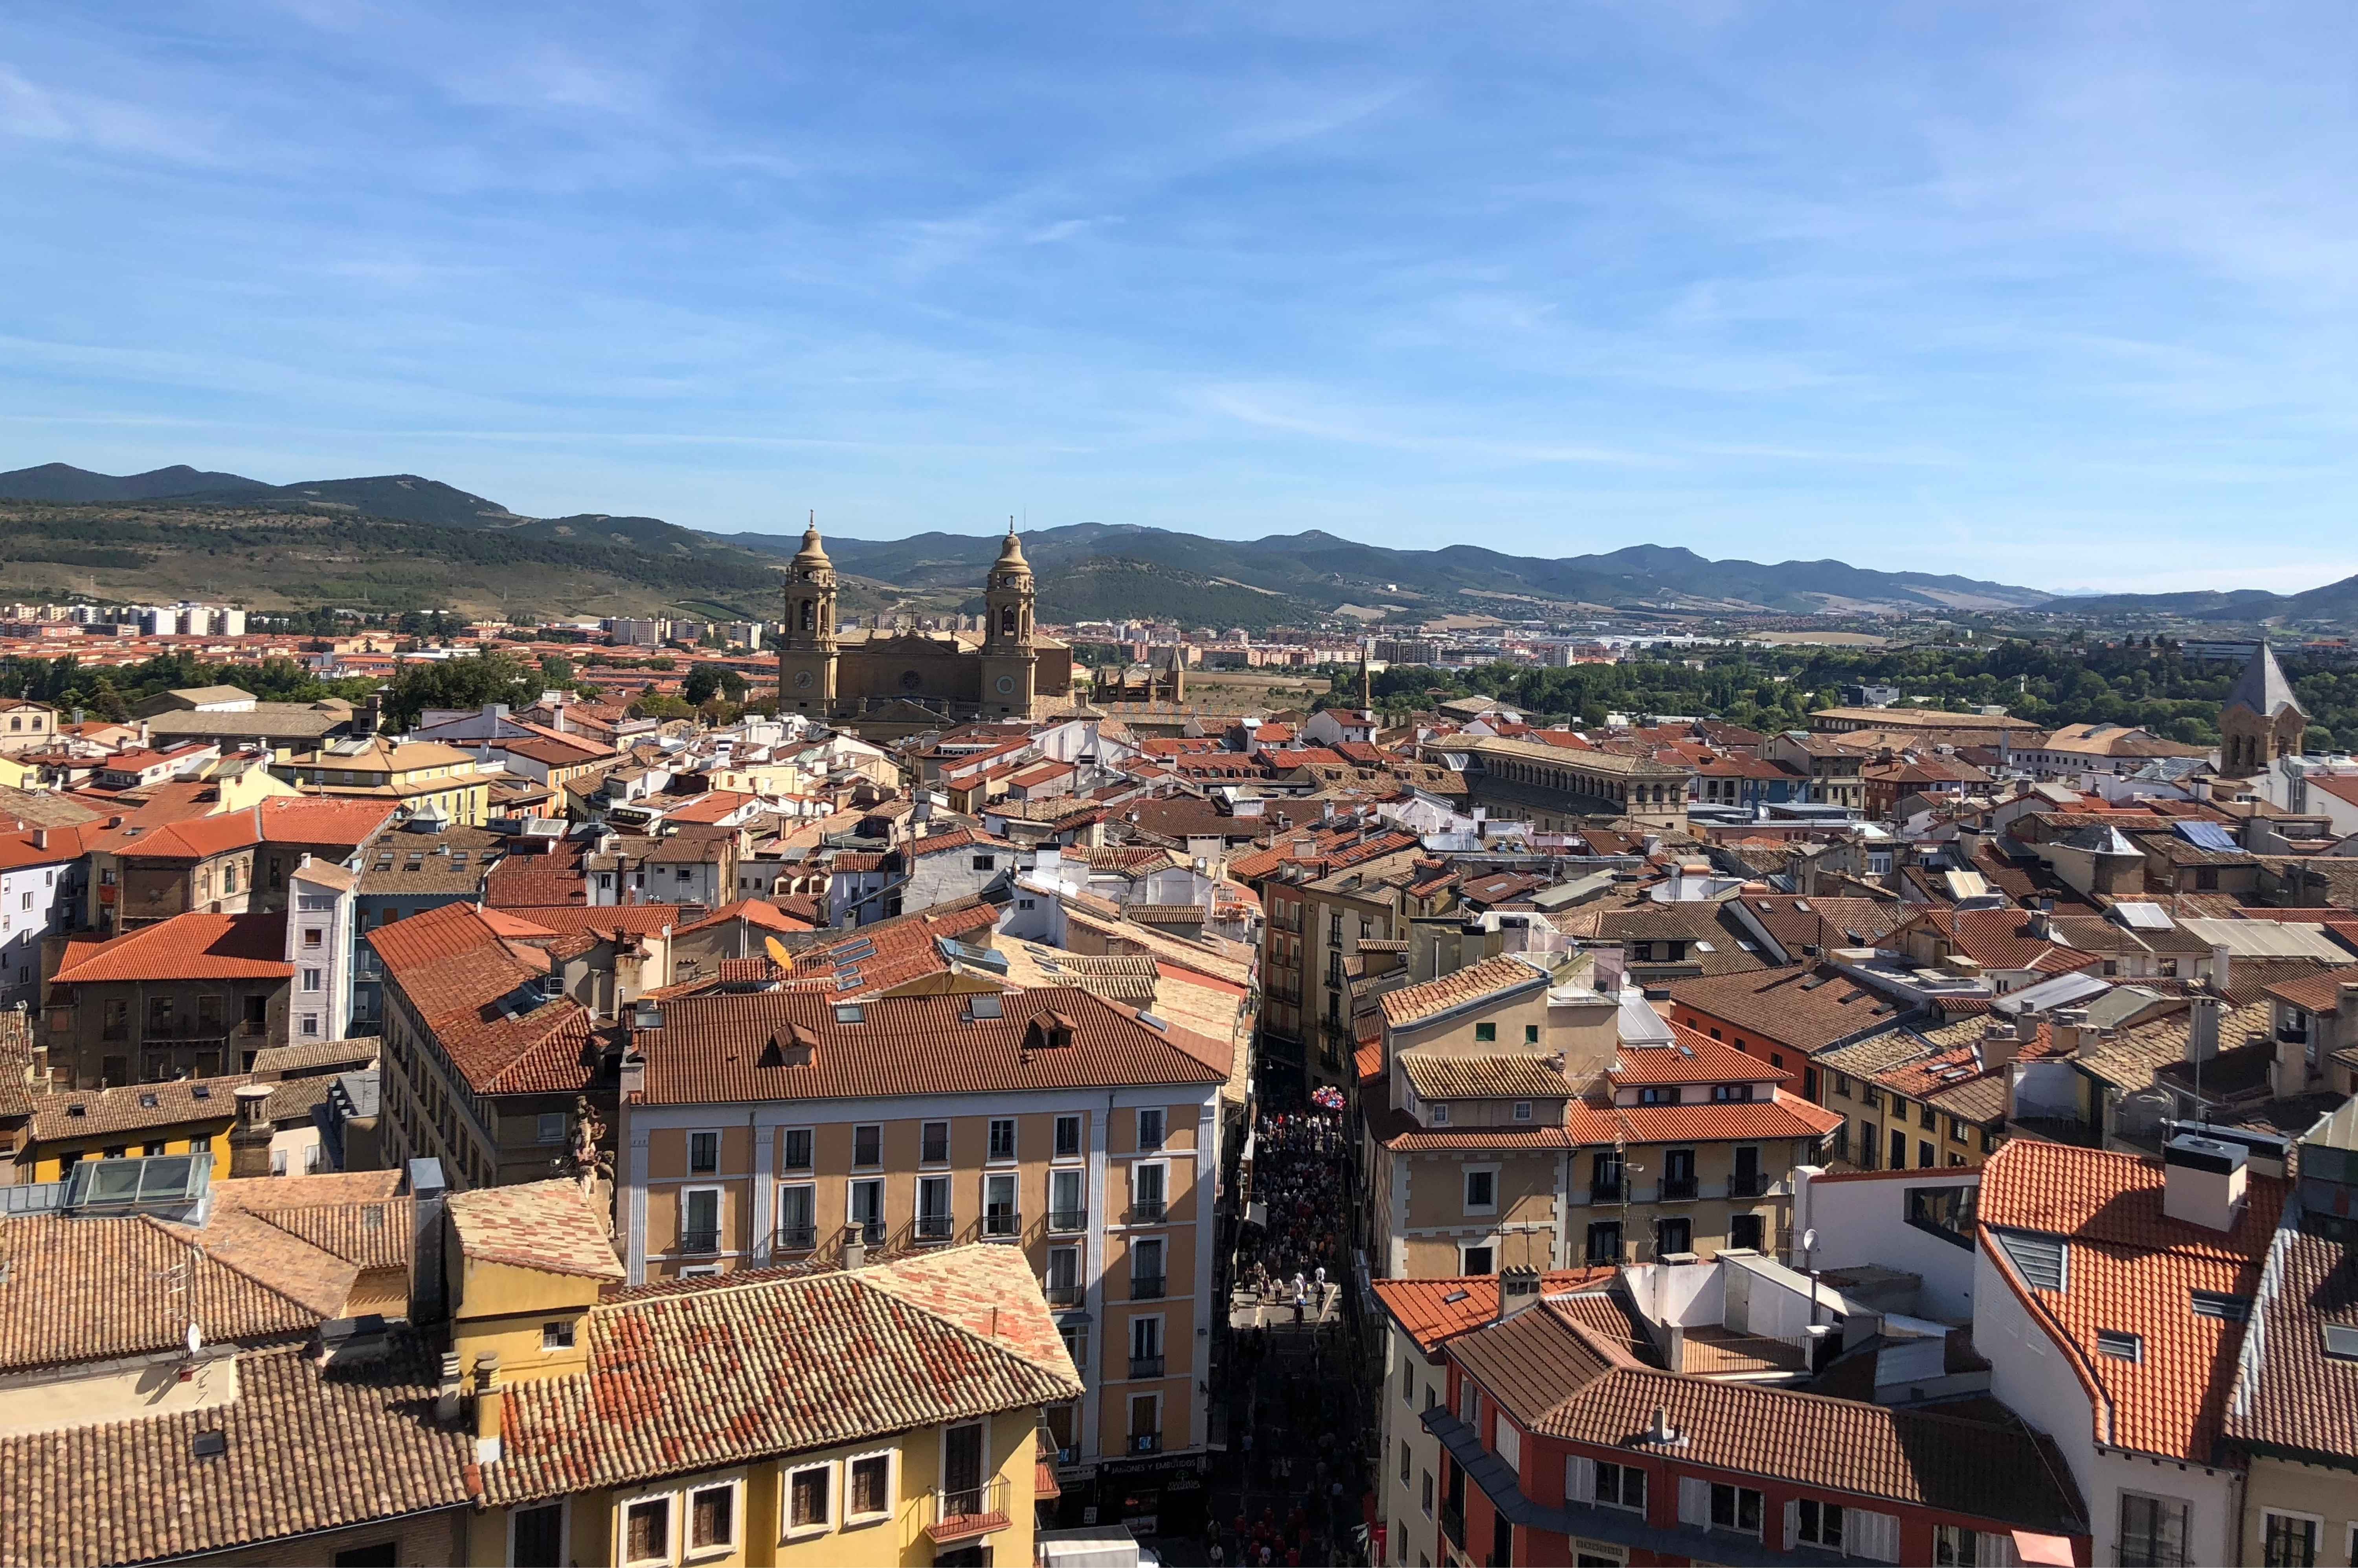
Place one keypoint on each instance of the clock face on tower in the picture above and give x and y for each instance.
(1005, 685)
(803, 678)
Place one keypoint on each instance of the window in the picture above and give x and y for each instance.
(1146, 1282)
(1621, 1487)
(1146, 1193)
(1408, 1383)
(810, 1499)
(1065, 1209)
(1002, 1138)
(699, 1219)
(646, 1531)
(1747, 1230)
(1425, 1494)
(1673, 1236)
(1476, 1260)
(1146, 1346)
(311, 938)
(311, 1023)
(1604, 1243)
(1735, 1508)
(549, 1127)
(2039, 1259)
(1871, 1097)
(1068, 1138)
(1956, 1129)
(869, 1486)
(1150, 1129)
(1926, 1156)
(1898, 1150)
(1482, 1191)
(2153, 1531)
(798, 1149)
(1954, 1546)
(797, 1217)
(2120, 1346)
(1530, 1033)
(310, 978)
(556, 1336)
(1724, 1094)
(712, 1517)
(1522, 1110)
(537, 1537)
(1657, 1094)
(1486, 1033)
(934, 1222)
(867, 1145)
(1440, 1114)
(985, 862)
(1001, 1216)
(703, 1153)
(1821, 1524)
(2288, 1541)
(1404, 1462)
(1842, 1085)
(934, 1143)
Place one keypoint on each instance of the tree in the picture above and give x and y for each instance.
(557, 670)
(703, 685)
(654, 706)
(460, 683)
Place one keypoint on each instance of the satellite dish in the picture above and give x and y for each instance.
(1809, 1239)
(777, 951)
(196, 1339)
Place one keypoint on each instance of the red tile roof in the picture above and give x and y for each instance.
(323, 820)
(1695, 1059)
(720, 1048)
(1492, 977)
(1433, 1311)
(2129, 1268)
(477, 991)
(193, 946)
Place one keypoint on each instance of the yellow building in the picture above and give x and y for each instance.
(182, 1116)
(885, 1414)
(422, 775)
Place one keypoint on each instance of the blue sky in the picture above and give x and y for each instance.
(2060, 295)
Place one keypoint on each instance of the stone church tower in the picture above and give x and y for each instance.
(1010, 660)
(2261, 719)
(807, 649)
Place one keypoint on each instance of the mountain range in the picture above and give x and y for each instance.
(1094, 570)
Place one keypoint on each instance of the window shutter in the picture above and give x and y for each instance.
(1694, 1502)
(1792, 1524)
(1871, 1534)
(1579, 1480)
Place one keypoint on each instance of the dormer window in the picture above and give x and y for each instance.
(1722, 1093)
(1440, 1114)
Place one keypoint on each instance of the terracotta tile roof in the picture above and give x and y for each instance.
(693, 1379)
(134, 1491)
(1561, 1379)
(2290, 1394)
(2003, 939)
(1500, 1076)
(323, 821)
(719, 1048)
(1426, 1312)
(193, 946)
(1806, 1006)
(1786, 1115)
(130, 1107)
(197, 838)
(312, 1056)
(1491, 978)
(2130, 1268)
(2319, 993)
(477, 991)
(2129, 1059)
(547, 1226)
(754, 912)
(1695, 1058)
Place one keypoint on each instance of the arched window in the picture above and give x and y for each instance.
(810, 611)
(1007, 620)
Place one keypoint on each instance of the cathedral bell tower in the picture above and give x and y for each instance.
(806, 651)
(2261, 719)
(1009, 659)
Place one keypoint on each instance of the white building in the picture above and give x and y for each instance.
(320, 900)
(40, 886)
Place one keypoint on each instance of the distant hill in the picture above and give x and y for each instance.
(64, 482)
(1087, 570)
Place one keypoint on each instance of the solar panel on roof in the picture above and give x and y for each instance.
(2205, 835)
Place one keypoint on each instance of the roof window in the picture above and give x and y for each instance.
(851, 1012)
(2218, 1304)
(2122, 1345)
(209, 1444)
(2041, 1260)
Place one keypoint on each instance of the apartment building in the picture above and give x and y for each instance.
(1525, 1119)
(41, 876)
(485, 1056)
(420, 775)
(1069, 1130)
(194, 995)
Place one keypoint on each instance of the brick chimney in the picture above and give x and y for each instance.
(249, 1140)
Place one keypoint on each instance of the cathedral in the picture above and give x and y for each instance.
(904, 681)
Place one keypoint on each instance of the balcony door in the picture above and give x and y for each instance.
(962, 1469)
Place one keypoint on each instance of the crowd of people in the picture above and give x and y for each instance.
(1292, 1439)
(1297, 1256)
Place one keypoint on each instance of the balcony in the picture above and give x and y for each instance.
(1452, 1525)
(700, 1243)
(1065, 1221)
(1146, 1366)
(1146, 1442)
(936, 1228)
(1678, 1188)
(1145, 1211)
(1002, 1224)
(1608, 1192)
(870, 1231)
(1747, 1184)
(1065, 1295)
(797, 1238)
(967, 1512)
(1146, 1287)
(2292, 1034)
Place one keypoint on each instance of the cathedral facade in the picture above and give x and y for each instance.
(909, 680)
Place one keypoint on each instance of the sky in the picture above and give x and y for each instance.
(2051, 294)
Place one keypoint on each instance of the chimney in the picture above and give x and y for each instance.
(2288, 1073)
(2345, 1010)
(1999, 1044)
(855, 1246)
(249, 1140)
(1660, 1432)
(2202, 1029)
(446, 1399)
(1518, 1290)
(2070, 1025)
(489, 1398)
(2202, 1181)
(2042, 925)
(40, 838)
(2222, 964)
